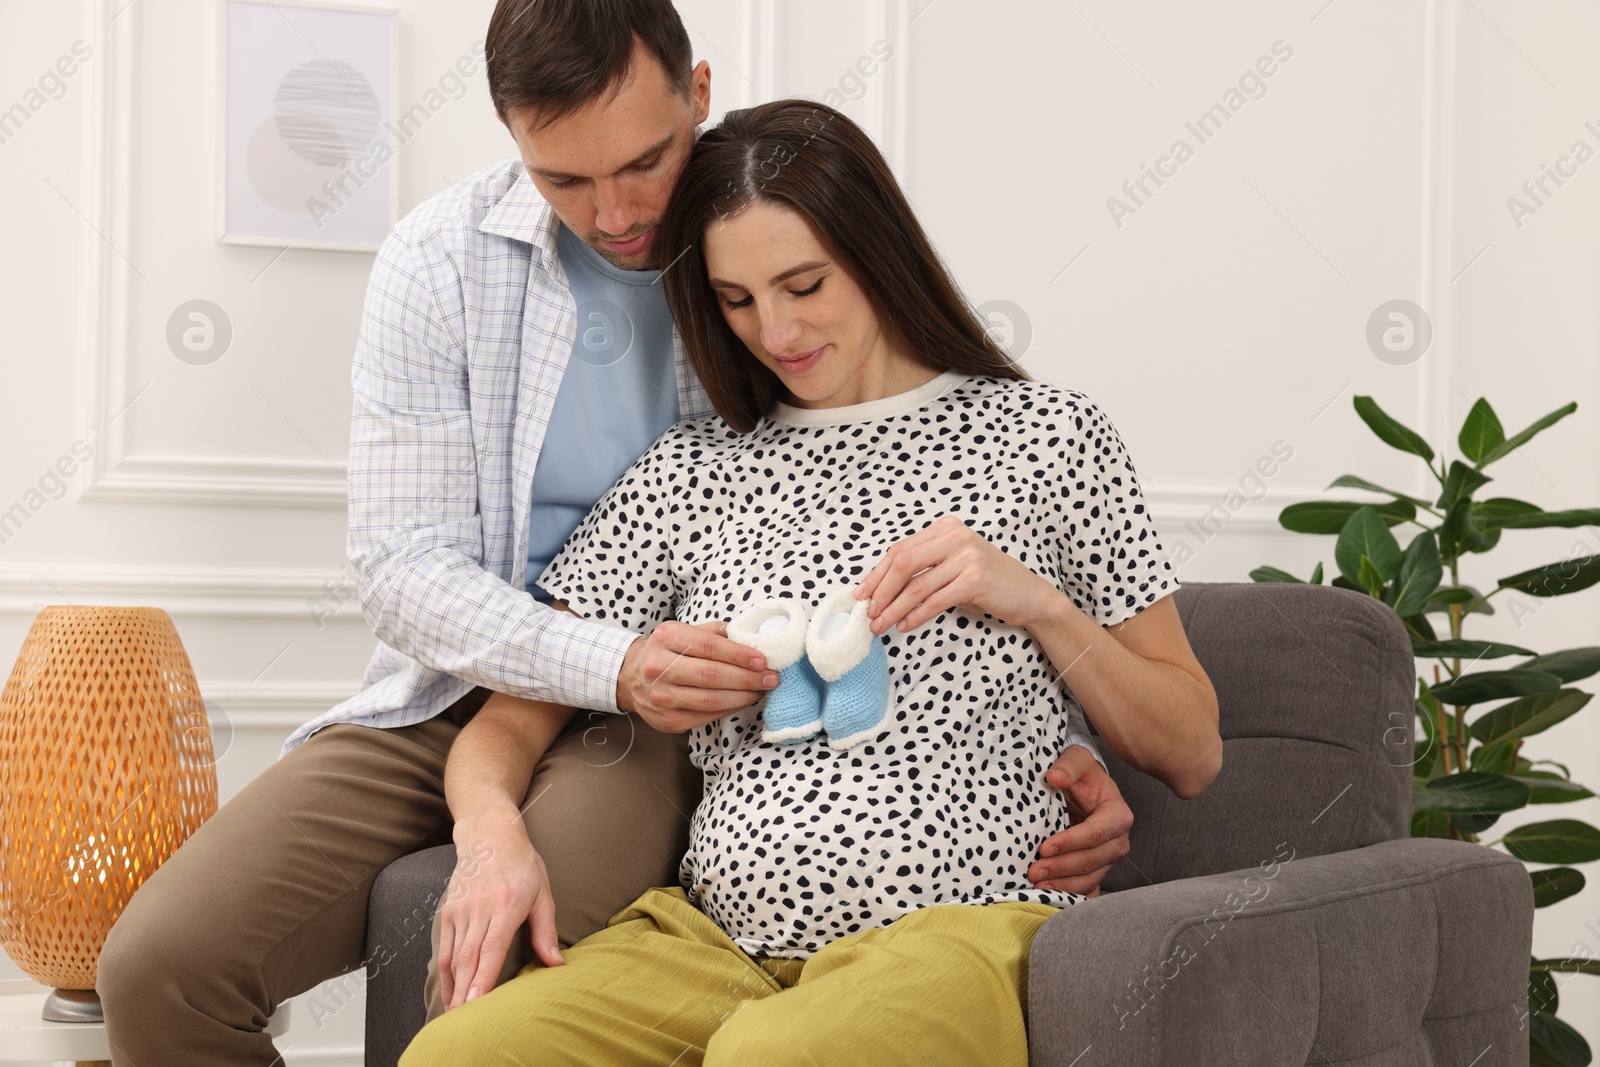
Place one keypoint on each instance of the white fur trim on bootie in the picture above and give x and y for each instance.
(782, 648)
(832, 658)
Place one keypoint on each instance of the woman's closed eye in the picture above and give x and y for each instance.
(735, 305)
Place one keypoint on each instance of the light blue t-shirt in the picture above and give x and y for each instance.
(617, 395)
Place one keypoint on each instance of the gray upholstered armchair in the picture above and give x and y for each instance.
(1282, 917)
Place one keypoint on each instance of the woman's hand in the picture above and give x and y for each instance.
(499, 881)
(948, 565)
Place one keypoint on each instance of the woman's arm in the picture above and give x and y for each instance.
(499, 880)
(1147, 694)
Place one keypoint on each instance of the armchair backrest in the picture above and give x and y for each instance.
(1316, 687)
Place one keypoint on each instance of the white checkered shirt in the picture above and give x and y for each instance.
(466, 332)
(465, 335)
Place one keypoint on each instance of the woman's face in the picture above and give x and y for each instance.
(795, 308)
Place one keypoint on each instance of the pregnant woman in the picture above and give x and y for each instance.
(929, 546)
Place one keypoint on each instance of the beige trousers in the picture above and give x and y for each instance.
(269, 897)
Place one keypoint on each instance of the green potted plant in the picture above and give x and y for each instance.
(1469, 768)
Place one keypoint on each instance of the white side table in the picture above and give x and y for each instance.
(25, 1037)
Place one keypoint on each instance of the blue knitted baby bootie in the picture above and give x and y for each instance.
(849, 657)
(777, 629)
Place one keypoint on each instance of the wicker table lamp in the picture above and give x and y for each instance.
(105, 769)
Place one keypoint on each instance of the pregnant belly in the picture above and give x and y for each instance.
(783, 863)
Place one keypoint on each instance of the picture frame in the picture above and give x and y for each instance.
(307, 99)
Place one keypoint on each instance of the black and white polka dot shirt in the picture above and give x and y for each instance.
(794, 846)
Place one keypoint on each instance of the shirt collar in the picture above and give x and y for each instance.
(523, 215)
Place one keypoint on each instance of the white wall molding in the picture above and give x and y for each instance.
(328, 1057)
(210, 481)
(106, 293)
(1174, 507)
(277, 706)
(1437, 259)
(217, 592)
(890, 21)
(760, 50)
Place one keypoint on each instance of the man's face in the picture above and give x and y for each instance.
(608, 168)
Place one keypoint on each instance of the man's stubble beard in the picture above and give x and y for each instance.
(646, 260)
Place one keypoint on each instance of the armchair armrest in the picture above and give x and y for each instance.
(1407, 951)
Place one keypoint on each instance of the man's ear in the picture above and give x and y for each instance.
(700, 91)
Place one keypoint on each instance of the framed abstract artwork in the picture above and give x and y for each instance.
(306, 124)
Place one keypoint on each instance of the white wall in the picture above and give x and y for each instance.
(1224, 314)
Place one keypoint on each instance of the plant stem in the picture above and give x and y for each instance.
(1439, 727)
(1484, 599)
(1460, 735)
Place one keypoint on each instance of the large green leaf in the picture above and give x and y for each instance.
(1470, 792)
(1465, 649)
(1272, 574)
(1472, 823)
(1556, 884)
(1552, 1043)
(1425, 823)
(1570, 664)
(1568, 965)
(1555, 841)
(1543, 995)
(1462, 481)
(1463, 531)
(1426, 751)
(1572, 517)
(1556, 579)
(1519, 439)
(1494, 685)
(1547, 787)
(1481, 432)
(1365, 534)
(1418, 627)
(1527, 766)
(1370, 580)
(1496, 508)
(1420, 572)
(1330, 516)
(1497, 758)
(1350, 481)
(1528, 716)
(1389, 431)
(1446, 595)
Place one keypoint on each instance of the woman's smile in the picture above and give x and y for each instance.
(801, 364)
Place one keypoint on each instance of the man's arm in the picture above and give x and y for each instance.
(1078, 858)
(416, 533)
(499, 879)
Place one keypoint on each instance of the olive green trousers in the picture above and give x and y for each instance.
(661, 984)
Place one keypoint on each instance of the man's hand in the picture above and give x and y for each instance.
(499, 881)
(1077, 858)
(683, 676)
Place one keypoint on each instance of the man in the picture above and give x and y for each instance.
(514, 358)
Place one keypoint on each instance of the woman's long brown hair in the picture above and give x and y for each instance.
(812, 159)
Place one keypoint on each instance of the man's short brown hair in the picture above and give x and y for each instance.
(555, 56)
